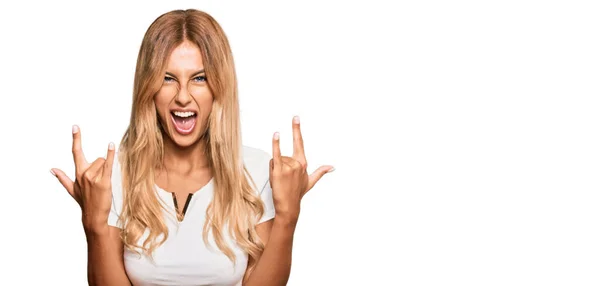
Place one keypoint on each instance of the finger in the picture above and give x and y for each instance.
(317, 175)
(108, 164)
(94, 172)
(298, 141)
(64, 180)
(276, 151)
(290, 163)
(78, 156)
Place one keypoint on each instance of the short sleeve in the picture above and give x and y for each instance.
(257, 163)
(117, 195)
(266, 195)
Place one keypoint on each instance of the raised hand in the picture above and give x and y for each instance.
(288, 175)
(92, 186)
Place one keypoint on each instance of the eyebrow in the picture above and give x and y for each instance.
(193, 75)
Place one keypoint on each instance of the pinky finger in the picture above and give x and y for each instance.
(276, 151)
(108, 164)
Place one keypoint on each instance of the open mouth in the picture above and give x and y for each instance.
(184, 121)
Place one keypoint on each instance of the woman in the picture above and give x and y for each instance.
(184, 203)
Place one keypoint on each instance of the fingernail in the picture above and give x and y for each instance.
(52, 172)
(331, 170)
(276, 136)
(111, 146)
(75, 129)
(297, 119)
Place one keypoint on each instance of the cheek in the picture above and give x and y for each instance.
(161, 103)
(205, 102)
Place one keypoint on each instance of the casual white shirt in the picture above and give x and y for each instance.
(184, 259)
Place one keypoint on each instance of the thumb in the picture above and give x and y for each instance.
(64, 180)
(318, 174)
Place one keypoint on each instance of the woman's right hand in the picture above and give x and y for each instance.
(92, 186)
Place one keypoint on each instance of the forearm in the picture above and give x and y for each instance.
(105, 262)
(274, 265)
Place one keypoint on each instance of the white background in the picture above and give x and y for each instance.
(465, 134)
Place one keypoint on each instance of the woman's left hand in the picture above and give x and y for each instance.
(289, 178)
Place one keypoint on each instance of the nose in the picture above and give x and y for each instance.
(183, 96)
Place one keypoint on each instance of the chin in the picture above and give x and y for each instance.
(185, 141)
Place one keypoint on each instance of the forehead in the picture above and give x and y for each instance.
(185, 57)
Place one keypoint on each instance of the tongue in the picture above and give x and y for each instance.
(184, 123)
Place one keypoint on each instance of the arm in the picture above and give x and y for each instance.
(93, 192)
(105, 258)
(274, 265)
(289, 182)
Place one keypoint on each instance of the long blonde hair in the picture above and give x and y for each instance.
(235, 202)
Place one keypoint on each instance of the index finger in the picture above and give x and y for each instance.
(298, 141)
(78, 156)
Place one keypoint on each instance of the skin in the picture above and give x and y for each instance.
(185, 162)
(290, 182)
(92, 191)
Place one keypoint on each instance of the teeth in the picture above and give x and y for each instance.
(184, 114)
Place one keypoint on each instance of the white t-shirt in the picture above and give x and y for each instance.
(184, 259)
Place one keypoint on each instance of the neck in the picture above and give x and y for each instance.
(185, 159)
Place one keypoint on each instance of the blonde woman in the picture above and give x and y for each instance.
(183, 203)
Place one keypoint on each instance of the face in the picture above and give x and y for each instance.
(184, 101)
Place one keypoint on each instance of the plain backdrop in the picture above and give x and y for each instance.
(465, 134)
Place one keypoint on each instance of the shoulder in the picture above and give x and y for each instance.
(116, 170)
(257, 164)
(117, 193)
(117, 180)
(254, 156)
